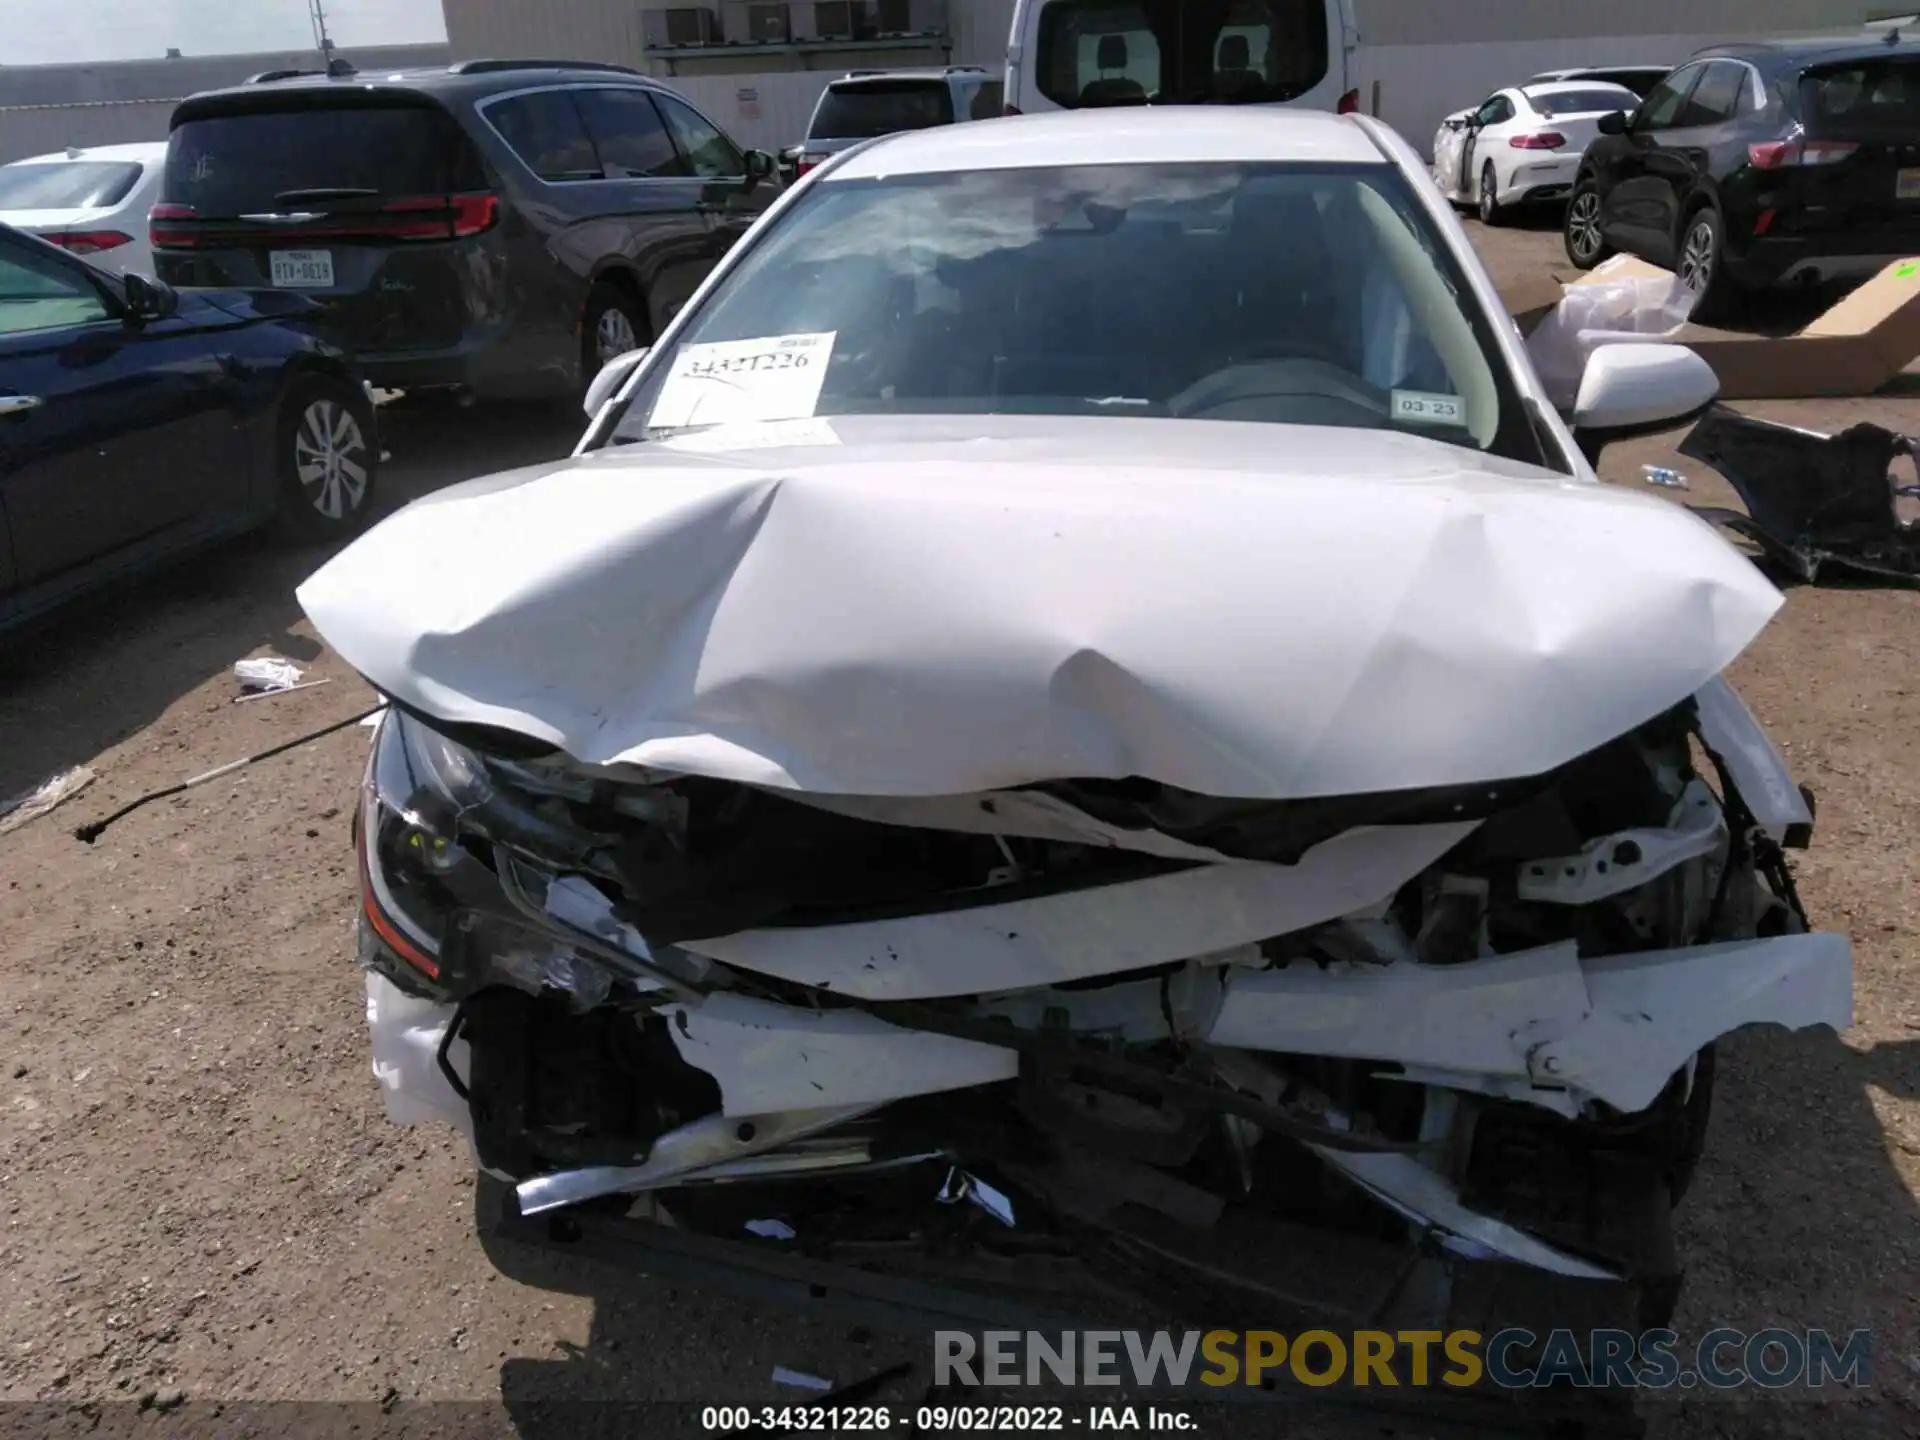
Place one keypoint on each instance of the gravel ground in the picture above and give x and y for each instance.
(204, 1203)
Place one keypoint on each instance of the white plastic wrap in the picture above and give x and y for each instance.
(1631, 309)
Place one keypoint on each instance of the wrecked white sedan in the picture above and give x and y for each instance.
(1083, 676)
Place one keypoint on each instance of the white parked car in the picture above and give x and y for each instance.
(92, 201)
(1081, 702)
(1522, 145)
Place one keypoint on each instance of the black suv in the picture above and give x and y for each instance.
(503, 227)
(1758, 165)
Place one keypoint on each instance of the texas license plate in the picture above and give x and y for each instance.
(301, 269)
(1906, 185)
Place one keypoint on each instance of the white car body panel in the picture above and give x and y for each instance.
(1111, 929)
(128, 216)
(801, 618)
(1459, 156)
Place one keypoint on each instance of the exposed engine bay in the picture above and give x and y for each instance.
(1161, 1033)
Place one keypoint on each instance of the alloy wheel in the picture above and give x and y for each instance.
(1697, 256)
(614, 336)
(1583, 225)
(330, 458)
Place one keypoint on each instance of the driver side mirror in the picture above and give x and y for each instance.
(611, 377)
(761, 165)
(1612, 123)
(1630, 390)
(147, 298)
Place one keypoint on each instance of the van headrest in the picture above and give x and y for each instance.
(1235, 53)
(1113, 52)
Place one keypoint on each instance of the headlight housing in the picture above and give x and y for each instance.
(415, 873)
(434, 917)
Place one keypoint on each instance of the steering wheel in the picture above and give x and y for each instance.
(1293, 377)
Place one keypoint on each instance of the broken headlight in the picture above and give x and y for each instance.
(415, 873)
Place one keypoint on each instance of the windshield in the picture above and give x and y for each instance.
(860, 112)
(1582, 102)
(81, 185)
(1283, 294)
(228, 165)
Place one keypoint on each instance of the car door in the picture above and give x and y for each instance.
(113, 430)
(1682, 161)
(1497, 110)
(651, 211)
(732, 197)
(1635, 189)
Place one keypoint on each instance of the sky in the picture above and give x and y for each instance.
(52, 31)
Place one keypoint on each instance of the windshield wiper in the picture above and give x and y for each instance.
(325, 192)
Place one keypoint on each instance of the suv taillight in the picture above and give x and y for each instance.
(1349, 102)
(1780, 154)
(806, 163)
(1009, 109)
(161, 223)
(411, 217)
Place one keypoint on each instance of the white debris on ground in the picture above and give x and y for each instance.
(32, 804)
(266, 673)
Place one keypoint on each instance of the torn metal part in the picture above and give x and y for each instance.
(683, 1154)
(1813, 502)
(1782, 809)
(1051, 939)
(771, 1229)
(959, 1186)
(1611, 865)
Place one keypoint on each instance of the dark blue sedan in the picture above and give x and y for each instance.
(138, 423)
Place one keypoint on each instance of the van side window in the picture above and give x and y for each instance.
(546, 132)
(1129, 52)
(629, 134)
(988, 101)
(712, 154)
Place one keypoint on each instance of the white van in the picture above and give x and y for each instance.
(1073, 54)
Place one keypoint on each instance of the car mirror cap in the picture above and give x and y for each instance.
(1631, 389)
(612, 375)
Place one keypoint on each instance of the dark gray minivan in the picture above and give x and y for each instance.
(499, 227)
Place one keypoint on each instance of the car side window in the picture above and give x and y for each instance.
(711, 153)
(40, 292)
(1716, 99)
(546, 132)
(1496, 111)
(629, 134)
(1664, 102)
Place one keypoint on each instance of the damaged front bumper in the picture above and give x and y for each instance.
(1138, 1030)
(1815, 503)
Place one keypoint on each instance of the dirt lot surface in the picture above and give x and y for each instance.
(203, 1199)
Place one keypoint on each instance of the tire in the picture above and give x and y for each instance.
(612, 323)
(327, 455)
(1492, 212)
(1701, 262)
(1580, 233)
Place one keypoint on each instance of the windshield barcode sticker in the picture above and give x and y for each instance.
(1418, 407)
(777, 378)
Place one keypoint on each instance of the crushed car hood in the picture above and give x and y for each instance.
(910, 606)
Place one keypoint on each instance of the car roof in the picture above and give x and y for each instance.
(142, 150)
(908, 72)
(1815, 50)
(1138, 136)
(471, 79)
(1572, 87)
